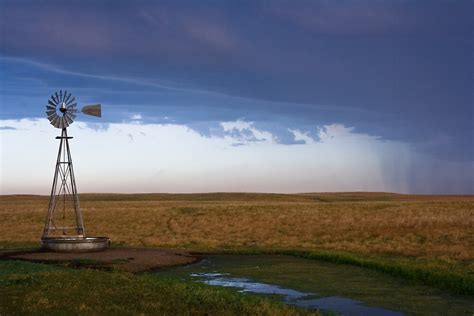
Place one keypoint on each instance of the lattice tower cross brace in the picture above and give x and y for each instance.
(64, 173)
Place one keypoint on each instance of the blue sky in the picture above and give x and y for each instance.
(255, 78)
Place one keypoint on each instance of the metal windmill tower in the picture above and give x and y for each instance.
(64, 228)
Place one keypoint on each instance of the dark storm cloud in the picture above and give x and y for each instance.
(397, 69)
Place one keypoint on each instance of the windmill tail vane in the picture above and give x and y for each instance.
(94, 110)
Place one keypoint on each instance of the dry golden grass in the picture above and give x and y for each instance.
(432, 228)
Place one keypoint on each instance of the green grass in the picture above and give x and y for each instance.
(31, 288)
(455, 283)
(11, 267)
(408, 269)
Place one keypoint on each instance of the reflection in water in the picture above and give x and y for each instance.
(342, 305)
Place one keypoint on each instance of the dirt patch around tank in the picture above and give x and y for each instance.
(123, 259)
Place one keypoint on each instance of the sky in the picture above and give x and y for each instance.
(254, 96)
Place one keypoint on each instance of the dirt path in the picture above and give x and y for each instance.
(123, 259)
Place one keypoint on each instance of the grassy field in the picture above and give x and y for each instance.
(32, 288)
(427, 238)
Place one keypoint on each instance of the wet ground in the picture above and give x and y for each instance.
(312, 284)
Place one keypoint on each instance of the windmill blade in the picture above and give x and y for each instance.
(54, 99)
(94, 110)
(57, 97)
(61, 95)
(51, 103)
(60, 123)
(49, 113)
(70, 101)
(54, 120)
(50, 108)
(51, 118)
(68, 118)
(67, 98)
(65, 122)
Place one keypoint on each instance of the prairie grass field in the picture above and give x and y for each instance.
(433, 234)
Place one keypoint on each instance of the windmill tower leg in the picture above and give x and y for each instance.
(80, 230)
(64, 195)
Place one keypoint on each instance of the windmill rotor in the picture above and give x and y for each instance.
(61, 109)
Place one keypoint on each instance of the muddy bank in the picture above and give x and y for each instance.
(123, 259)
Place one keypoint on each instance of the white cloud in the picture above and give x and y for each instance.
(131, 157)
(136, 117)
(302, 136)
(339, 131)
(245, 132)
(237, 125)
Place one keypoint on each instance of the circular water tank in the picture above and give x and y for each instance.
(75, 244)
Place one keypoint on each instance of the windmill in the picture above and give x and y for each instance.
(64, 227)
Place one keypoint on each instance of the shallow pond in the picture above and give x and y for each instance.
(313, 284)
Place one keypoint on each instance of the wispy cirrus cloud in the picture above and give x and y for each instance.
(345, 17)
(205, 28)
(104, 30)
(372, 17)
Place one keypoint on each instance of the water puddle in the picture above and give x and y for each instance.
(313, 284)
(341, 305)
